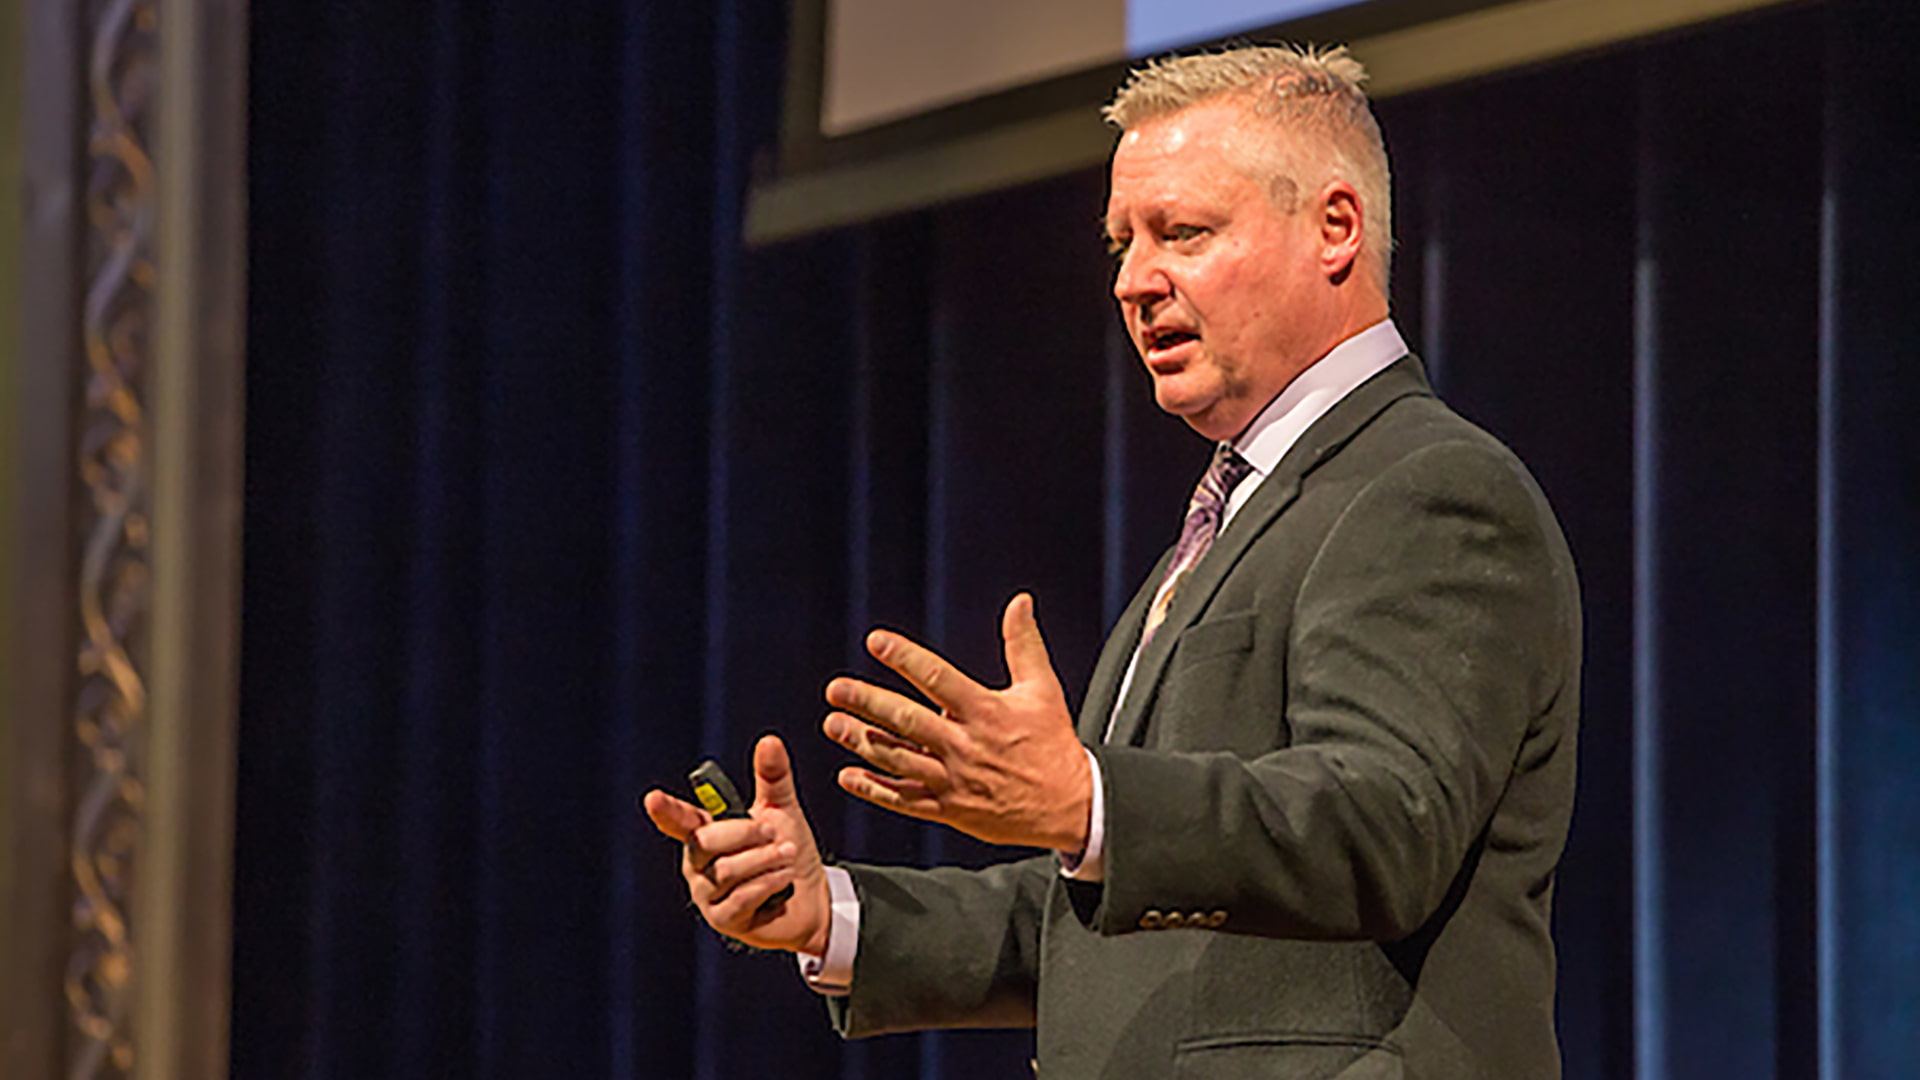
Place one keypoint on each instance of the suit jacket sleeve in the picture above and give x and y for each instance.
(1428, 634)
(946, 947)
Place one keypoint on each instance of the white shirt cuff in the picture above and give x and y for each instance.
(832, 974)
(1091, 864)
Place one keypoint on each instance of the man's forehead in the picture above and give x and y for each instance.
(1172, 152)
(1223, 127)
(1212, 117)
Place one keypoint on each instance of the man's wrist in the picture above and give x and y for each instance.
(822, 937)
(1089, 862)
(830, 971)
(1077, 818)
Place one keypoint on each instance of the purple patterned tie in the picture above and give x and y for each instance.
(1205, 511)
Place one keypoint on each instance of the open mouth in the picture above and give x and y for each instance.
(1159, 341)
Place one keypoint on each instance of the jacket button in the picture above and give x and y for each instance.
(1217, 919)
(1152, 920)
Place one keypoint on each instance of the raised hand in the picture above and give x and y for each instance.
(733, 867)
(1000, 765)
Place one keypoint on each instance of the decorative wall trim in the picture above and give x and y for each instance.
(115, 587)
(124, 553)
(41, 555)
(183, 918)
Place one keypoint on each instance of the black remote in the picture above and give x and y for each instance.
(721, 799)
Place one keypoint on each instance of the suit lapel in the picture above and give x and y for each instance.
(1111, 668)
(1319, 442)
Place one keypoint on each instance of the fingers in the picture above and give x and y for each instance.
(773, 774)
(908, 797)
(745, 908)
(885, 750)
(1026, 650)
(727, 874)
(673, 817)
(944, 684)
(897, 713)
(720, 838)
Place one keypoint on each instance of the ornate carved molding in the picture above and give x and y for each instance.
(119, 628)
(110, 715)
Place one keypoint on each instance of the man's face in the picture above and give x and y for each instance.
(1223, 293)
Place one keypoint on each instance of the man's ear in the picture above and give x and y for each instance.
(1342, 224)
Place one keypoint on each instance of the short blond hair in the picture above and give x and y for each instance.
(1318, 91)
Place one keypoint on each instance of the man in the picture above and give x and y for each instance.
(1308, 822)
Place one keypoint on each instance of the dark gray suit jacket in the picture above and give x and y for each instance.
(1335, 796)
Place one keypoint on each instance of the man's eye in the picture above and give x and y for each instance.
(1116, 246)
(1183, 233)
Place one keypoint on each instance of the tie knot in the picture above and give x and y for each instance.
(1223, 475)
(1205, 511)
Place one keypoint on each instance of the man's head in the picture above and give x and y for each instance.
(1249, 211)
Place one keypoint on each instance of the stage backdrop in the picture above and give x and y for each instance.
(552, 488)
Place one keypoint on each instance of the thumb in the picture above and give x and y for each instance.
(671, 816)
(773, 774)
(1026, 650)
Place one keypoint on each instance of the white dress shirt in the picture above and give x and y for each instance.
(1264, 442)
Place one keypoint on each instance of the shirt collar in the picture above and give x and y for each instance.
(1316, 390)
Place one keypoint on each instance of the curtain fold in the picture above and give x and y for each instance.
(483, 252)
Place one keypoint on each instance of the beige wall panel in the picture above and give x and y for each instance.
(889, 58)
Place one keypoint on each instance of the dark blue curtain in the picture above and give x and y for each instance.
(486, 242)
(554, 488)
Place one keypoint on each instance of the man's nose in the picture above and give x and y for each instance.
(1139, 278)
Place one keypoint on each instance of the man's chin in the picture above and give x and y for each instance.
(1177, 394)
(1203, 417)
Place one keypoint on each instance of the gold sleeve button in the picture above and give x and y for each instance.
(1152, 920)
(1217, 919)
